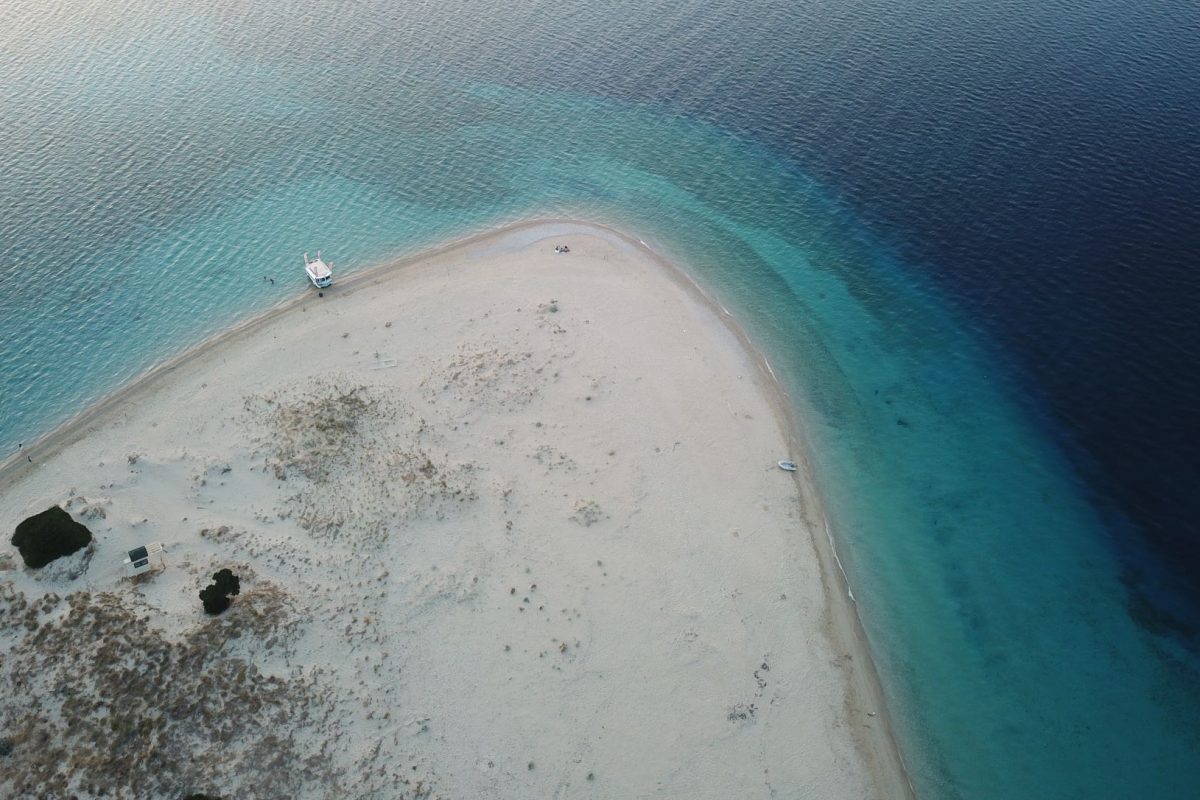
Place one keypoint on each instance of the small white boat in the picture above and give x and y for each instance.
(790, 466)
(320, 273)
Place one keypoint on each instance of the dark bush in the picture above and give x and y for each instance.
(201, 797)
(49, 535)
(216, 595)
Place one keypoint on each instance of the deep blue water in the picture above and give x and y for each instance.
(964, 233)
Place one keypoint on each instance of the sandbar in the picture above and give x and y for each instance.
(508, 522)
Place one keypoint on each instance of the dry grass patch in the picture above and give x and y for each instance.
(100, 703)
(355, 459)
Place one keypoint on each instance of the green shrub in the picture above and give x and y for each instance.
(49, 535)
(215, 596)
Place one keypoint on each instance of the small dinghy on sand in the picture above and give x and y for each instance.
(789, 466)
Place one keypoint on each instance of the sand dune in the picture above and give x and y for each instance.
(508, 525)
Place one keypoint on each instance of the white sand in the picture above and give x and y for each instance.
(508, 523)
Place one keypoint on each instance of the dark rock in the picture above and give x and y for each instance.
(49, 535)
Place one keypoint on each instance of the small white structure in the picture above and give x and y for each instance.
(320, 273)
(138, 559)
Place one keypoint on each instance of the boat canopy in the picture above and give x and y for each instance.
(319, 269)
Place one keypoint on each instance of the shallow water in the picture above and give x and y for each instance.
(931, 218)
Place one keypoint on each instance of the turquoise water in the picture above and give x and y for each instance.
(160, 164)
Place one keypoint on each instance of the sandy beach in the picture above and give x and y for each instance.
(508, 524)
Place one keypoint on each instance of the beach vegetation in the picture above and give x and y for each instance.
(216, 596)
(138, 696)
(49, 535)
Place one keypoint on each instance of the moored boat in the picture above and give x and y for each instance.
(320, 273)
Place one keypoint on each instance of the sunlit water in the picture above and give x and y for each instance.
(163, 169)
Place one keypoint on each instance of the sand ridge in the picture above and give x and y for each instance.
(508, 524)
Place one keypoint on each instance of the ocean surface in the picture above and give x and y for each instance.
(966, 234)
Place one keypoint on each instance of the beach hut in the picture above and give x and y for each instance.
(138, 559)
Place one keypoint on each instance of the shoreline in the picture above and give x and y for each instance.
(845, 625)
(873, 734)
